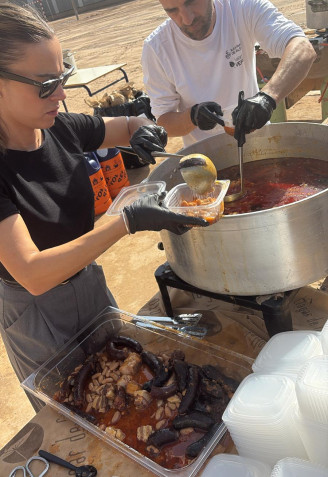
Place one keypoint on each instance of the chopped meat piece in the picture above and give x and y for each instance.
(131, 364)
(143, 432)
(124, 380)
(142, 399)
(132, 387)
(117, 433)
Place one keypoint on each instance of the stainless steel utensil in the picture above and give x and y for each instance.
(165, 154)
(241, 142)
(186, 323)
(187, 319)
(81, 471)
(241, 193)
(192, 330)
(153, 153)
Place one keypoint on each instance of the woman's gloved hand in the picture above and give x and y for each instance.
(206, 115)
(252, 113)
(147, 139)
(149, 213)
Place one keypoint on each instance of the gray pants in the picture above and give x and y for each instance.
(33, 328)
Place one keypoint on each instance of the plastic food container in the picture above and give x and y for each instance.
(210, 212)
(324, 338)
(229, 465)
(261, 418)
(44, 382)
(129, 194)
(292, 467)
(315, 439)
(312, 389)
(285, 353)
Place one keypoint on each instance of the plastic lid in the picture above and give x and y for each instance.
(314, 374)
(261, 397)
(293, 467)
(128, 195)
(230, 465)
(287, 351)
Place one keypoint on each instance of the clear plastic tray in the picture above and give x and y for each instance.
(127, 195)
(44, 382)
(210, 212)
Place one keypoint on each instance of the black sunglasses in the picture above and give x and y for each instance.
(47, 87)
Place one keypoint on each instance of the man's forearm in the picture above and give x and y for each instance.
(292, 69)
(176, 124)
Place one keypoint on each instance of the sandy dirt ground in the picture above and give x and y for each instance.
(109, 36)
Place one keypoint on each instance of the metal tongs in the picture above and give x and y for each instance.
(185, 323)
(241, 142)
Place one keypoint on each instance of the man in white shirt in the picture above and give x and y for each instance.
(196, 63)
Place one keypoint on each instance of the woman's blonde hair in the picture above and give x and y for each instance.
(19, 26)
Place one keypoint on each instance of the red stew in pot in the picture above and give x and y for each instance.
(274, 182)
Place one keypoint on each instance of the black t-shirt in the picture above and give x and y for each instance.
(50, 187)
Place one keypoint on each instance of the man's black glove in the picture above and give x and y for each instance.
(147, 139)
(252, 113)
(206, 115)
(149, 213)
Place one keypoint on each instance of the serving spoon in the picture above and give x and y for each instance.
(197, 170)
(81, 471)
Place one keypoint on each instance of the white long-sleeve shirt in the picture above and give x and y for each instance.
(180, 72)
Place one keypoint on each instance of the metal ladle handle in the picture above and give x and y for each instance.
(153, 153)
(238, 195)
(241, 141)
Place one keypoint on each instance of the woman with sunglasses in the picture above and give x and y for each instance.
(50, 286)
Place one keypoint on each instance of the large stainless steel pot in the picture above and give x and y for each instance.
(258, 253)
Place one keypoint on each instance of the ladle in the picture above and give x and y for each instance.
(241, 142)
(200, 175)
(81, 471)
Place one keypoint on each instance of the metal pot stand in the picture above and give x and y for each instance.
(275, 310)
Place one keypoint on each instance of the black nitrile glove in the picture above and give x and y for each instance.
(252, 113)
(206, 115)
(148, 213)
(147, 139)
